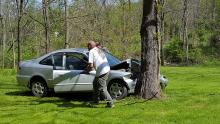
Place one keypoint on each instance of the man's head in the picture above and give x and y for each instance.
(98, 44)
(91, 44)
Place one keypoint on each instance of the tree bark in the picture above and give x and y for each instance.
(213, 9)
(162, 33)
(1, 24)
(3, 35)
(4, 42)
(66, 26)
(149, 86)
(11, 33)
(13, 51)
(46, 25)
(196, 13)
(185, 31)
(20, 4)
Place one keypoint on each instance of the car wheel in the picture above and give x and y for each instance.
(39, 88)
(117, 89)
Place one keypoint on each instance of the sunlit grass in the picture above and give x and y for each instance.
(192, 97)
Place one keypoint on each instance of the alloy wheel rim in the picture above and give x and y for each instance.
(38, 88)
(116, 90)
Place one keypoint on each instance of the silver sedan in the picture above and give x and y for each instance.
(61, 71)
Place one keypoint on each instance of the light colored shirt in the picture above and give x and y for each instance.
(98, 59)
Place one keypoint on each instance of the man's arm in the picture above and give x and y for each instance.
(90, 64)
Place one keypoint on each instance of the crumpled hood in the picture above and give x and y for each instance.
(132, 64)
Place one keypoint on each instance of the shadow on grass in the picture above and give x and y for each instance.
(73, 100)
(77, 96)
(19, 93)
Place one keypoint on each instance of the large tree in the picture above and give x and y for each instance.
(149, 87)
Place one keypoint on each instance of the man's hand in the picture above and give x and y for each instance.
(87, 69)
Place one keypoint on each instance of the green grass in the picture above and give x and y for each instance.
(192, 97)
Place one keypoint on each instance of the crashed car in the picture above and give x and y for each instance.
(61, 71)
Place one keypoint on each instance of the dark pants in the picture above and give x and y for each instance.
(100, 88)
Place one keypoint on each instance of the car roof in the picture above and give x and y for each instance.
(79, 50)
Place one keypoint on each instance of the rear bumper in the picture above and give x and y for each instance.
(23, 80)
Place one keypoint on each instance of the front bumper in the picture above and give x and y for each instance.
(131, 84)
(164, 80)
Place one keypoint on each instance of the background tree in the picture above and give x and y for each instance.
(66, 25)
(162, 30)
(20, 5)
(185, 31)
(3, 34)
(45, 6)
(114, 23)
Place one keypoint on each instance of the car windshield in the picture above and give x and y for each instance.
(112, 60)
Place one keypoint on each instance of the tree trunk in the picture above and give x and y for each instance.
(3, 35)
(196, 13)
(13, 50)
(162, 33)
(20, 4)
(46, 25)
(3, 43)
(149, 87)
(185, 31)
(1, 24)
(12, 39)
(213, 9)
(123, 28)
(66, 26)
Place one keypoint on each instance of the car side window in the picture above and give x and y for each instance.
(58, 59)
(76, 61)
(47, 61)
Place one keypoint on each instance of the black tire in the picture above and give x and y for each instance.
(39, 88)
(117, 89)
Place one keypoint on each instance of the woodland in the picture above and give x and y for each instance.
(189, 29)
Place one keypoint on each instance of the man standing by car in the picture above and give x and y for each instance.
(98, 60)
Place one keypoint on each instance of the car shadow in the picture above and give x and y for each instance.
(19, 93)
(64, 100)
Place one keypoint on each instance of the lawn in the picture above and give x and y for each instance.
(192, 97)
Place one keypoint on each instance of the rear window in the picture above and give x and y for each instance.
(47, 61)
(58, 60)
